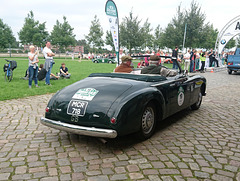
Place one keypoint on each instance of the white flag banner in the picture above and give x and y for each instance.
(111, 11)
(113, 21)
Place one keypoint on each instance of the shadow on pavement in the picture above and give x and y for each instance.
(127, 141)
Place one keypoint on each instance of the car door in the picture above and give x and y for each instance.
(178, 94)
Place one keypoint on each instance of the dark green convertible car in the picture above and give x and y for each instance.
(114, 104)
(104, 60)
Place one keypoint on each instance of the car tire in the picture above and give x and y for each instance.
(95, 61)
(110, 61)
(148, 122)
(197, 105)
(229, 71)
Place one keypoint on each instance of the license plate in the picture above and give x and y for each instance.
(77, 108)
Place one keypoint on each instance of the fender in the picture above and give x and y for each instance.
(128, 109)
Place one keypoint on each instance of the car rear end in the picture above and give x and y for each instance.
(233, 63)
(82, 107)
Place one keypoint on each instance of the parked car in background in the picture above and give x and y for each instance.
(233, 62)
(104, 60)
(169, 60)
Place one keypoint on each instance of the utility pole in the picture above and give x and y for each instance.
(185, 31)
(10, 50)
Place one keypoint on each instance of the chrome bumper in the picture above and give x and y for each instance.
(81, 130)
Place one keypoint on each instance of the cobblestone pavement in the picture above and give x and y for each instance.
(191, 145)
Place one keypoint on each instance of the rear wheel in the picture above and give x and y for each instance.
(148, 122)
(95, 61)
(198, 103)
(229, 71)
(8, 75)
(109, 61)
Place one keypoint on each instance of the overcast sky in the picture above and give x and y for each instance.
(80, 13)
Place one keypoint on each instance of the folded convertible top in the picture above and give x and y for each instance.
(140, 77)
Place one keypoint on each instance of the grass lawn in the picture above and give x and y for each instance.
(18, 87)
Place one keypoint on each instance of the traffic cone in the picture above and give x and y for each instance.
(212, 71)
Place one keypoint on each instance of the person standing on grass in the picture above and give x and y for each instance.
(203, 60)
(48, 55)
(33, 66)
(187, 62)
(192, 60)
(197, 61)
(210, 55)
(175, 57)
(89, 55)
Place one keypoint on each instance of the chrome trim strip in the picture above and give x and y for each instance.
(81, 130)
(162, 83)
(169, 82)
(95, 116)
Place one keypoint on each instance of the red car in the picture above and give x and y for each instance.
(169, 60)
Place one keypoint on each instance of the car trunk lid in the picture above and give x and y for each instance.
(87, 104)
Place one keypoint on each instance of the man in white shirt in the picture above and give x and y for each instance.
(187, 61)
(48, 55)
(120, 57)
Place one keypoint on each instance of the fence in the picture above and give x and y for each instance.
(62, 55)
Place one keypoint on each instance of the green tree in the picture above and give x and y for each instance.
(195, 22)
(157, 42)
(41, 36)
(238, 41)
(62, 35)
(146, 35)
(33, 32)
(95, 34)
(82, 42)
(109, 40)
(208, 37)
(168, 37)
(6, 36)
(231, 43)
(197, 32)
(173, 34)
(131, 32)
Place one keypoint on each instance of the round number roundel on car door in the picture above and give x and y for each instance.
(180, 96)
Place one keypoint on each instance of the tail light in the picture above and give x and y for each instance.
(230, 63)
(113, 120)
(47, 109)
